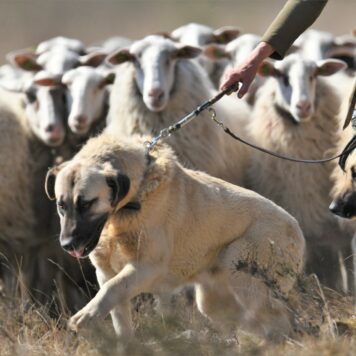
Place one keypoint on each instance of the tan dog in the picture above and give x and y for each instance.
(149, 224)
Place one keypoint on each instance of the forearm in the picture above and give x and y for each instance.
(295, 17)
(262, 51)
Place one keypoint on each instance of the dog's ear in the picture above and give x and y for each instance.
(119, 185)
(51, 180)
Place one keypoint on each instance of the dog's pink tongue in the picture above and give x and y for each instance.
(77, 253)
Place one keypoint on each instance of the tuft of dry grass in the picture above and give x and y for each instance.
(323, 320)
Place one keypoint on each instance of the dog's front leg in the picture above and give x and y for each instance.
(121, 314)
(116, 293)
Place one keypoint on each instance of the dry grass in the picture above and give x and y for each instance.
(324, 325)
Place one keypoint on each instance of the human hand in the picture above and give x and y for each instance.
(246, 71)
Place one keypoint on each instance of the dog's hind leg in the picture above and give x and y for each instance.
(262, 267)
(216, 301)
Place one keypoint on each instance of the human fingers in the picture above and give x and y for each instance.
(244, 88)
(229, 81)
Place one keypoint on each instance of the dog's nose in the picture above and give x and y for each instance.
(333, 207)
(337, 207)
(67, 244)
(69, 240)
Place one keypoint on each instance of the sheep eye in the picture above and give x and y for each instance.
(285, 80)
(137, 64)
(31, 96)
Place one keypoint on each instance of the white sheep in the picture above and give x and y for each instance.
(56, 60)
(110, 45)
(87, 97)
(16, 213)
(157, 86)
(44, 106)
(71, 44)
(198, 35)
(28, 219)
(317, 45)
(296, 114)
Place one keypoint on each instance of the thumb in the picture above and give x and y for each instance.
(243, 90)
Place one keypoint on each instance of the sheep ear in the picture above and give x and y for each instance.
(226, 34)
(51, 180)
(187, 52)
(109, 78)
(119, 185)
(93, 59)
(267, 69)
(345, 40)
(166, 35)
(329, 66)
(46, 79)
(120, 56)
(24, 59)
(215, 52)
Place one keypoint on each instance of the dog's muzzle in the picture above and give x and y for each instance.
(345, 206)
(84, 237)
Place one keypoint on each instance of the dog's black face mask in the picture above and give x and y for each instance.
(345, 206)
(82, 237)
(85, 198)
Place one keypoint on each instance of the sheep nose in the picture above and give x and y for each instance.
(81, 119)
(304, 105)
(156, 93)
(50, 128)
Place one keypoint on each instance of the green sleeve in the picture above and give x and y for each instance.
(295, 17)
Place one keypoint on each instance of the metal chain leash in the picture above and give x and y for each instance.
(166, 132)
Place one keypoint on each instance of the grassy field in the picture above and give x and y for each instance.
(322, 321)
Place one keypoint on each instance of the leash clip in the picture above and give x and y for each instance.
(213, 117)
(166, 132)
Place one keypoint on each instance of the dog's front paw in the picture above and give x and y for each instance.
(84, 317)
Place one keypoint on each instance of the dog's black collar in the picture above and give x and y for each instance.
(285, 114)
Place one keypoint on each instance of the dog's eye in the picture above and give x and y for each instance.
(353, 173)
(83, 206)
(61, 207)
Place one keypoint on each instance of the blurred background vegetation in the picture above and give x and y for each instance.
(24, 23)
